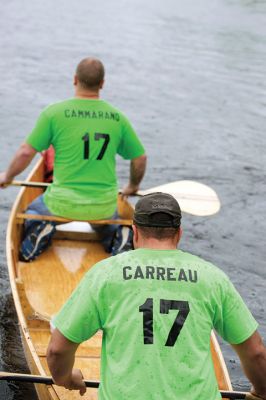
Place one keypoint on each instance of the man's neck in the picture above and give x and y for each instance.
(87, 94)
(157, 244)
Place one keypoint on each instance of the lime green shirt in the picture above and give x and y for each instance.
(86, 135)
(156, 309)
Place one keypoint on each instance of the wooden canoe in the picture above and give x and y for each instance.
(40, 288)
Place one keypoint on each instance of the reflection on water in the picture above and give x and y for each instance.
(190, 76)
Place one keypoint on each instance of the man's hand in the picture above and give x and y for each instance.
(20, 161)
(129, 190)
(76, 382)
(4, 180)
(137, 170)
(256, 395)
(60, 358)
(252, 354)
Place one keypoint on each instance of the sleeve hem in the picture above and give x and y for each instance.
(68, 335)
(33, 146)
(131, 157)
(245, 336)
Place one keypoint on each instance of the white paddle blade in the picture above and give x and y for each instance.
(193, 197)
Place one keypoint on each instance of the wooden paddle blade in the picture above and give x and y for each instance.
(193, 197)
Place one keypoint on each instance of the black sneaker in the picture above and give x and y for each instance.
(37, 239)
(123, 240)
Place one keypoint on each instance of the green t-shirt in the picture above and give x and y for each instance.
(156, 309)
(86, 135)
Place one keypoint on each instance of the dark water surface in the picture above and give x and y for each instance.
(191, 77)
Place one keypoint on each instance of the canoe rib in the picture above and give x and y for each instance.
(68, 260)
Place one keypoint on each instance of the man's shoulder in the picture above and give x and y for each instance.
(109, 265)
(118, 259)
(73, 104)
(202, 264)
(54, 107)
(115, 109)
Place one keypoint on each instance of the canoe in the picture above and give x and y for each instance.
(40, 288)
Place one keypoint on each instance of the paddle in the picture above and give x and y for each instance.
(193, 197)
(48, 380)
(238, 395)
(42, 185)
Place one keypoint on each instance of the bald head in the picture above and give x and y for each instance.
(90, 73)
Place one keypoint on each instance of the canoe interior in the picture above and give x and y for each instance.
(40, 288)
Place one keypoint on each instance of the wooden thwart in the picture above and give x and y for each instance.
(22, 216)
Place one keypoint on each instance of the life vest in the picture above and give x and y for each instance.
(48, 156)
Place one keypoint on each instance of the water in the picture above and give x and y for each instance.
(191, 77)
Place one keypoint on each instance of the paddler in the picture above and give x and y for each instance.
(156, 326)
(86, 133)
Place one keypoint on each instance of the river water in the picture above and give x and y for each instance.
(191, 77)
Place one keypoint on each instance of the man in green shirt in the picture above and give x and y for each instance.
(156, 306)
(86, 133)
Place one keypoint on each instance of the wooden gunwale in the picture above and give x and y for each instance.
(13, 238)
(35, 327)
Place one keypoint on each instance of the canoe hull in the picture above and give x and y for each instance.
(37, 298)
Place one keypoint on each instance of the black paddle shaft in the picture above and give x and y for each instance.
(40, 379)
(47, 380)
(233, 395)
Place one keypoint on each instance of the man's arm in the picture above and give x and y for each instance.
(60, 359)
(252, 354)
(21, 160)
(137, 171)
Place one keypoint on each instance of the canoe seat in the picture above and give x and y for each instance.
(50, 279)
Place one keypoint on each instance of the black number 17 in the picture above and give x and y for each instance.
(97, 136)
(165, 306)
